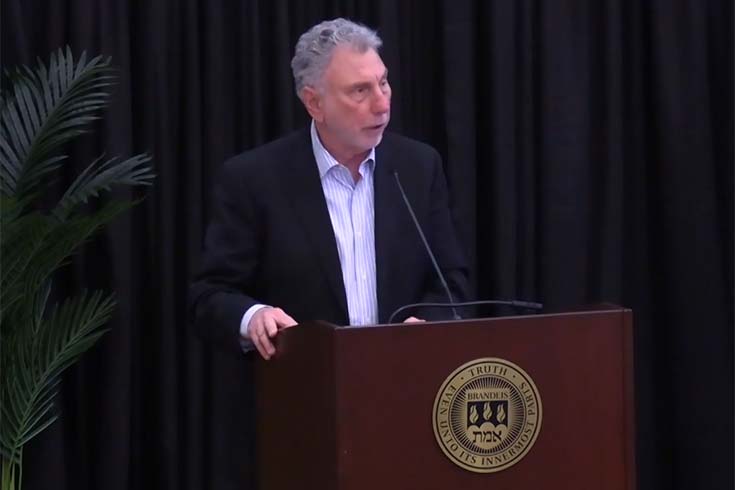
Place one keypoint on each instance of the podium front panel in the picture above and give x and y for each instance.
(364, 399)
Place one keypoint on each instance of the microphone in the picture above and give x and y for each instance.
(528, 305)
(452, 304)
(428, 250)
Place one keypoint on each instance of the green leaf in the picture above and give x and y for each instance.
(57, 101)
(102, 176)
(32, 383)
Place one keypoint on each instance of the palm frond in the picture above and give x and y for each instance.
(45, 109)
(102, 176)
(22, 240)
(30, 385)
(34, 247)
(12, 208)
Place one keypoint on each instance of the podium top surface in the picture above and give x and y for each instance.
(580, 310)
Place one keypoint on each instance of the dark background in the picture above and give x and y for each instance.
(589, 151)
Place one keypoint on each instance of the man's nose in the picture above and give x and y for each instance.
(381, 102)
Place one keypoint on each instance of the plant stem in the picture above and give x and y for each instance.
(19, 483)
(8, 479)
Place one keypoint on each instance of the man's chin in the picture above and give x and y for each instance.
(373, 140)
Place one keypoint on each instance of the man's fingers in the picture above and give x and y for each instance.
(413, 319)
(261, 349)
(265, 325)
(265, 341)
(270, 324)
(260, 341)
(283, 319)
(267, 345)
(258, 333)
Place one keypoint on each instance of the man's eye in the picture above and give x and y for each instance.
(359, 93)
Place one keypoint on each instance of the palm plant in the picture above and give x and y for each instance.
(42, 110)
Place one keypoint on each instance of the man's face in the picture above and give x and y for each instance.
(352, 106)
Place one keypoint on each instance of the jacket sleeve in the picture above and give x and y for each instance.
(219, 296)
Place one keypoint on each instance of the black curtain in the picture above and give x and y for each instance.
(589, 152)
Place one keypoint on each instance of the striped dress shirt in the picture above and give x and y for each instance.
(352, 212)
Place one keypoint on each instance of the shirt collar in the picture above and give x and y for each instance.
(324, 160)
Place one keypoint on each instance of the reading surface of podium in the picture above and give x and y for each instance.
(348, 408)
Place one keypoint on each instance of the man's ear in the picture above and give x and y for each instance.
(313, 102)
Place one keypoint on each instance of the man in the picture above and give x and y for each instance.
(313, 225)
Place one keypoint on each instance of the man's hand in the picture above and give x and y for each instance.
(264, 325)
(413, 319)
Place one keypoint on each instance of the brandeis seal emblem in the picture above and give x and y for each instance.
(487, 415)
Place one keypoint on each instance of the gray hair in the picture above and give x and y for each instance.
(315, 47)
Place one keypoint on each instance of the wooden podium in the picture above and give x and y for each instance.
(350, 408)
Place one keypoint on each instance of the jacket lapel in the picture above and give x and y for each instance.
(305, 193)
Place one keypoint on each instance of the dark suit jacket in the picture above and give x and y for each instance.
(271, 239)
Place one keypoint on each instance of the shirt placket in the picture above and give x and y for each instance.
(347, 243)
(363, 238)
